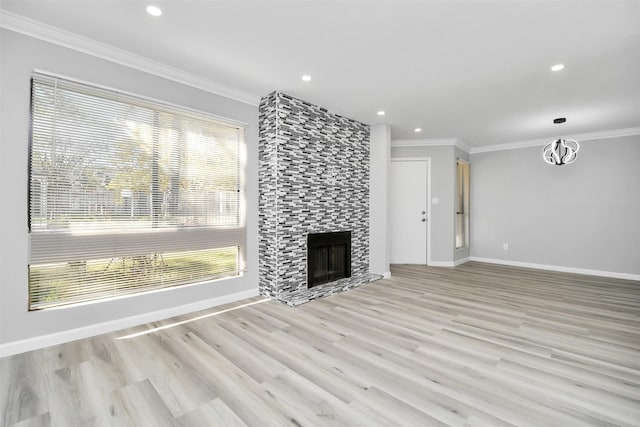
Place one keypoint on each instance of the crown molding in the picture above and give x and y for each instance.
(433, 142)
(590, 136)
(20, 24)
(423, 142)
(462, 145)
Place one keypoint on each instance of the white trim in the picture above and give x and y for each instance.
(461, 261)
(441, 264)
(429, 208)
(428, 160)
(614, 133)
(41, 341)
(423, 142)
(386, 275)
(626, 276)
(20, 24)
(461, 145)
(433, 142)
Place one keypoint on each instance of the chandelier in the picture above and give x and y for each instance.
(561, 151)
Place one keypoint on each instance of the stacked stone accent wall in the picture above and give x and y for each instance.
(313, 178)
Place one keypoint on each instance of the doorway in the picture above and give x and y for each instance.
(408, 210)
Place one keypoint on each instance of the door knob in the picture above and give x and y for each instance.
(424, 212)
(424, 219)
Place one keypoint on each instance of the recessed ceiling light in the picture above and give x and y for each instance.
(306, 78)
(154, 10)
(557, 67)
(381, 113)
(417, 130)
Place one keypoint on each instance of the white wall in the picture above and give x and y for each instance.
(585, 215)
(380, 159)
(20, 55)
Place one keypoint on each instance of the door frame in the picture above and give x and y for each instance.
(427, 161)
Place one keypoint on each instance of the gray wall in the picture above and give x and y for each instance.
(380, 157)
(585, 215)
(20, 55)
(443, 162)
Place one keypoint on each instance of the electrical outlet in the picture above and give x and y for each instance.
(505, 246)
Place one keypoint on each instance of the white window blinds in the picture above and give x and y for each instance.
(128, 195)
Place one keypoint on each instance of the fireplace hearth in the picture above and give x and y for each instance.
(328, 257)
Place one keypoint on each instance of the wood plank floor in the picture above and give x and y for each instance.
(475, 345)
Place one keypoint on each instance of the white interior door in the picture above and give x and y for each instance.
(408, 211)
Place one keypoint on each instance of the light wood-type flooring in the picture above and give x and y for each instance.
(475, 345)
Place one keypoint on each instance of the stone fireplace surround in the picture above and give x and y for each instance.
(313, 178)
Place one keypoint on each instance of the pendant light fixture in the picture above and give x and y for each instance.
(561, 151)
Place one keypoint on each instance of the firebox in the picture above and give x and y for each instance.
(328, 257)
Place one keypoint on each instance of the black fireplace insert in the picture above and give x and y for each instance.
(328, 257)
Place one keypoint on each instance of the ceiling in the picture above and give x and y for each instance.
(477, 71)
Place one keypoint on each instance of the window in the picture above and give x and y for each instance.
(462, 204)
(128, 195)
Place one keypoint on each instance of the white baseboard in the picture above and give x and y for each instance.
(448, 263)
(461, 261)
(441, 264)
(386, 275)
(41, 341)
(613, 274)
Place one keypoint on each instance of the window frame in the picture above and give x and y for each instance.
(181, 238)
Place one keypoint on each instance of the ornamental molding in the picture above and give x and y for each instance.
(38, 30)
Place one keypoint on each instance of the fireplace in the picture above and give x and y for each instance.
(313, 178)
(328, 257)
